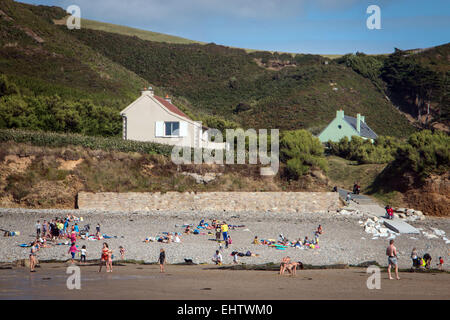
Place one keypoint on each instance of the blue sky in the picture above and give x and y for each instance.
(303, 26)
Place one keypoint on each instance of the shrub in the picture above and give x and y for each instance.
(52, 139)
(425, 153)
(300, 150)
(363, 151)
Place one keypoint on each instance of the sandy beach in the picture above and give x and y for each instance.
(210, 283)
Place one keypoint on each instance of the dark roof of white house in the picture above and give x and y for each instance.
(365, 131)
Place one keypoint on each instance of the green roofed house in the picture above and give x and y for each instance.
(345, 126)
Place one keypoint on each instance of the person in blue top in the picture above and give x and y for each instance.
(66, 225)
(77, 230)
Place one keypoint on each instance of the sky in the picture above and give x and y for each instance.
(299, 26)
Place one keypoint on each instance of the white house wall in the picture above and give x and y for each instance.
(142, 116)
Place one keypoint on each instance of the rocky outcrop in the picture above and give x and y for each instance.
(433, 197)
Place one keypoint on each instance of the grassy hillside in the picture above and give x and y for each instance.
(128, 31)
(42, 61)
(258, 89)
(55, 67)
(416, 81)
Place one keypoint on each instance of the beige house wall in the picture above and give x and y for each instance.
(142, 115)
(140, 118)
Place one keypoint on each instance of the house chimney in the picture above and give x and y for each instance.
(168, 99)
(358, 122)
(363, 119)
(340, 114)
(148, 91)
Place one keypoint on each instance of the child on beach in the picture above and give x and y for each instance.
(235, 257)
(98, 230)
(217, 258)
(228, 241)
(83, 254)
(441, 263)
(122, 252)
(319, 229)
(177, 238)
(348, 198)
(72, 250)
(256, 241)
(162, 260)
(218, 232)
(415, 258)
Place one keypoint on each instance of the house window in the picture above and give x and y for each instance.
(172, 129)
(339, 126)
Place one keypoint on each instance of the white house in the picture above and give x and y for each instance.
(155, 119)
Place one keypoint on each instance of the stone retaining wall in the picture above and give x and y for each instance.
(301, 202)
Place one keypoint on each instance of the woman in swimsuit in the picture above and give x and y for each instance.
(104, 257)
(33, 251)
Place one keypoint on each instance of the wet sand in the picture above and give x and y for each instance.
(205, 282)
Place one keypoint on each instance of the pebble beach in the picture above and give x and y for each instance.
(343, 241)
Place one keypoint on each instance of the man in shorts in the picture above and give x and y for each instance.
(391, 252)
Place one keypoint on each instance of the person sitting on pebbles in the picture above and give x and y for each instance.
(217, 258)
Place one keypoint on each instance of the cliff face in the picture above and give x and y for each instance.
(433, 197)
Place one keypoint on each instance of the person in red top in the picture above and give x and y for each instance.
(73, 235)
(389, 212)
(441, 263)
(105, 257)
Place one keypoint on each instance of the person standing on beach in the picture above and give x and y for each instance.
(33, 252)
(284, 263)
(104, 257)
(162, 260)
(218, 231)
(44, 228)
(72, 250)
(98, 230)
(391, 252)
(83, 254)
(415, 258)
(122, 252)
(109, 262)
(225, 231)
(38, 229)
